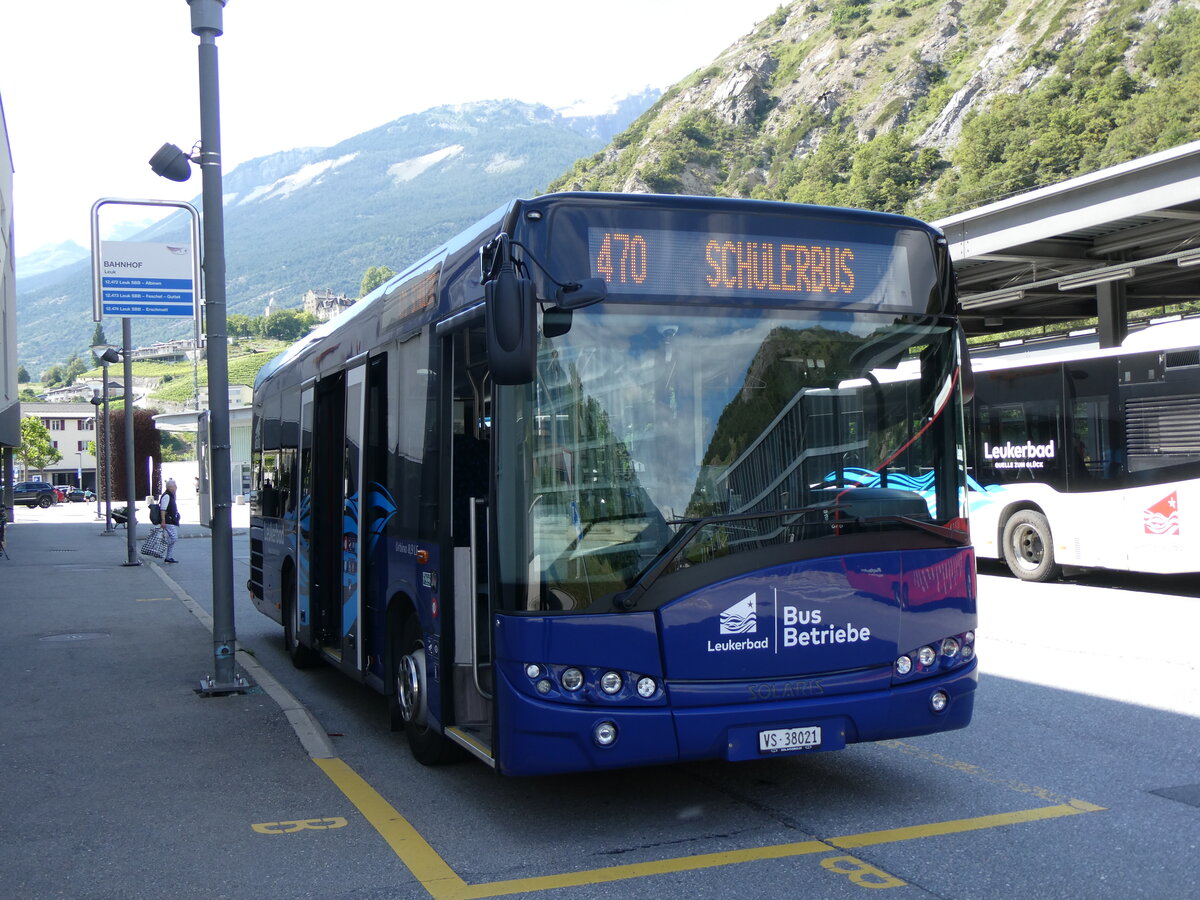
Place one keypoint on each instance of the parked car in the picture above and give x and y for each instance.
(77, 495)
(35, 493)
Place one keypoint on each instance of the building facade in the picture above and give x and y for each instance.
(72, 426)
(10, 404)
(326, 305)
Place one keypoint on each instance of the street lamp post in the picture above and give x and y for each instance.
(207, 25)
(102, 353)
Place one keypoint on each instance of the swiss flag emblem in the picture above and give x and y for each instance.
(1163, 516)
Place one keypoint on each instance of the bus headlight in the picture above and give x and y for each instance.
(926, 656)
(532, 670)
(572, 679)
(646, 687)
(903, 665)
(950, 648)
(611, 683)
(938, 701)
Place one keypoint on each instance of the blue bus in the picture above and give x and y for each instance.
(620, 480)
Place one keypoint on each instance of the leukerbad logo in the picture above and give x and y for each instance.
(742, 617)
(1163, 516)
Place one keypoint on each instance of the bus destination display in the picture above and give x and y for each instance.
(705, 264)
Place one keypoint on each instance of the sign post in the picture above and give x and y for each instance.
(139, 278)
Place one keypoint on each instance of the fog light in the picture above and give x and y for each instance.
(605, 734)
(611, 682)
(969, 637)
(572, 679)
(968, 652)
(939, 701)
(544, 686)
(533, 670)
(926, 656)
(903, 665)
(646, 687)
(950, 648)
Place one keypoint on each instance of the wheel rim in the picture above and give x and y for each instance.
(1027, 546)
(410, 686)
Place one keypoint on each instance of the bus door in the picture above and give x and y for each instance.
(354, 509)
(467, 431)
(326, 554)
(304, 533)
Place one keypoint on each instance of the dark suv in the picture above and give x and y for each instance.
(34, 493)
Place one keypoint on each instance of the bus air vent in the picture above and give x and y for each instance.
(1177, 359)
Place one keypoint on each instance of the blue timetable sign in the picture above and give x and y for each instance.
(139, 278)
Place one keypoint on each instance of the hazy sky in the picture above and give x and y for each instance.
(92, 88)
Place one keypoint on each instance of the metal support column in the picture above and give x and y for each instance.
(1113, 313)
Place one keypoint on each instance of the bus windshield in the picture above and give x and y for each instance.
(733, 425)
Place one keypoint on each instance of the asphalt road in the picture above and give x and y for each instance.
(1079, 777)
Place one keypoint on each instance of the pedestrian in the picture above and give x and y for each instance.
(170, 518)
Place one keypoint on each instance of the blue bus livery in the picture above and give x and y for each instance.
(617, 480)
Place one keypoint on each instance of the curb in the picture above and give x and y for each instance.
(313, 738)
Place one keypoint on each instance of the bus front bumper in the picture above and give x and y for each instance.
(539, 737)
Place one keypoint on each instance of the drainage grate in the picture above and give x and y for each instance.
(75, 636)
(1188, 793)
(61, 550)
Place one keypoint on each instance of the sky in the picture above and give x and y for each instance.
(91, 89)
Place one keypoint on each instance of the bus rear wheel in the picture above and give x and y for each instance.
(1029, 547)
(408, 701)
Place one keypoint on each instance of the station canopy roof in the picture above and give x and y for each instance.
(1131, 232)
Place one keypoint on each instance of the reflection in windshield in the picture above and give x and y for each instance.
(647, 419)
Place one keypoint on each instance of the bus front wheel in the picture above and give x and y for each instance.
(1029, 547)
(408, 699)
(302, 657)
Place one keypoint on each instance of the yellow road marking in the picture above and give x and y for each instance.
(414, 851)
(636, 870)
(892, 835)
(443, 883)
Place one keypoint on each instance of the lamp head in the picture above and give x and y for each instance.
(171, 162)
(110, 356)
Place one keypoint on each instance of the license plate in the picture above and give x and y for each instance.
(781, 740)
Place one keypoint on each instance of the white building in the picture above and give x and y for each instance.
(10, 404)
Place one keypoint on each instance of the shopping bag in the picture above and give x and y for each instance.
(155, 544)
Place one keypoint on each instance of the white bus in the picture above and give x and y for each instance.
(1087, 457)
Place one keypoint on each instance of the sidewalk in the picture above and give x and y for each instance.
(122, 776)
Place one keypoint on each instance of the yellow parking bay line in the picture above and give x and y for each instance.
(639, 870)
(414, 851)
(436, 876)
(957, 826)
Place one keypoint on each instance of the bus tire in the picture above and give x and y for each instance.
(302, 657)
(408, 696)
(1029, 546)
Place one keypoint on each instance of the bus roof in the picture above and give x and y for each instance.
(1161, 336)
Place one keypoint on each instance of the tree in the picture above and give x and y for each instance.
(23, 375)
(287, 325)
(373, 278)
(242, 326)
(53, 376)
(98, 337)
(37, 449)
(75, 367)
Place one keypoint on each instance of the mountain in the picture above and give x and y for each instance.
(50, 257)
(921, 106)
(319, 217)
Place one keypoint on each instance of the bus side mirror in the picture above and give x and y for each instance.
(584, 293)
(511, 320)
